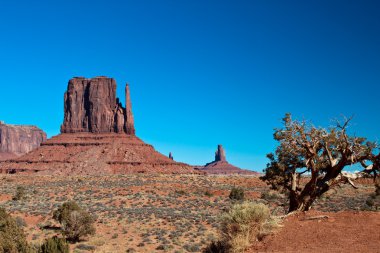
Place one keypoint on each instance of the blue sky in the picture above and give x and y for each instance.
(202, 73)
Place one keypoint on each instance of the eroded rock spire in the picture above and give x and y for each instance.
(129, 121)
(220, 155)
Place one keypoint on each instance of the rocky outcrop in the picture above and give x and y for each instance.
(91, 106)
(221, 166)
(98, 138)
(220, 155)
(18, 140)
(94, 154)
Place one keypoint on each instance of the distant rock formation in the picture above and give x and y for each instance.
(171, 156)
(220, 155)
(129, 121)
(98, 138)
(91, 106)
(221, 166)
(16, 140)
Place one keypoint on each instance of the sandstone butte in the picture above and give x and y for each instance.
(221, 166)
(16, 140)
(97, 138)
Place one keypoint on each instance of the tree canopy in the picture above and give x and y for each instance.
(319, 153)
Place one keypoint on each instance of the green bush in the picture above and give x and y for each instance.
(12, 237)
(20, 193)
(241, 225)
(76, 222)
(237, 194)
(54, 245)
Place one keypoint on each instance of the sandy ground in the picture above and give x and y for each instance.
(179, 213)
(347, 231)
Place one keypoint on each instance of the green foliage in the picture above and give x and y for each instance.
(54, 245)
(237, 193)
(76, 222)
(20, 193)
(12, 237)
(62, 214)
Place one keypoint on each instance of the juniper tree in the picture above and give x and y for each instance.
(319, 153)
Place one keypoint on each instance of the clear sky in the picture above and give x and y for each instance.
(201, 72)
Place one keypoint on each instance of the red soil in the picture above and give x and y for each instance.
(340, 232)
(7, 156)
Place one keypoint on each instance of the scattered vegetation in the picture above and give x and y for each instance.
(12, 237)
(143, 212)
(373, 201)
(76, 222)
(54, 245)
(20, 193)
(208, 194)
(237, 193)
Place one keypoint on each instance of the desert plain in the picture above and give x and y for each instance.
(180, 213)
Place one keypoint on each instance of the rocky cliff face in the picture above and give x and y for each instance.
(18, 140)
(91, 106)
(220, 155)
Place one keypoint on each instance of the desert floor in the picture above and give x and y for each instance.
(179, 213)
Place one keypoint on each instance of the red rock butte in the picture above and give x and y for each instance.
(97, 138)
(221, 166)
(16, 140)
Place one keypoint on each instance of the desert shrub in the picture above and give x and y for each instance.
(20, 193)
(86, 247)
(208, 194)
(217, 247)
(272, 195)
(241, 225)
(191, 247)
(180, 192)
(237, 193)
(20, 222)
(76, 222)
(54, 245)
(12, 237)
(373, 201)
